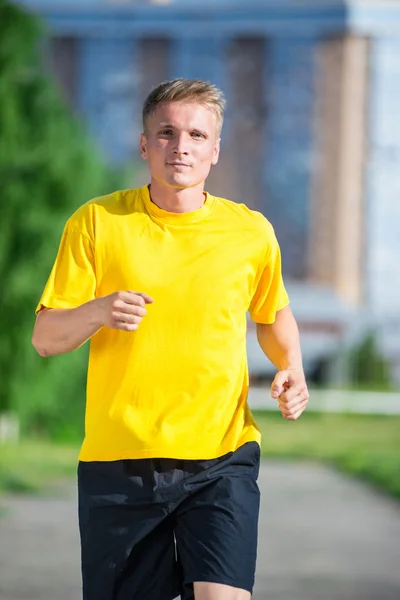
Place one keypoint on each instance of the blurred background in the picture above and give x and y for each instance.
(311, 139)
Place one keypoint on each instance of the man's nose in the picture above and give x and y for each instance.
(181, 145)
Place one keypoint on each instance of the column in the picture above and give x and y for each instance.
(337, 237)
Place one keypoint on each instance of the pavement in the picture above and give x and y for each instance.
(322, 536)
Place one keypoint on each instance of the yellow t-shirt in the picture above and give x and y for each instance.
(177, 387)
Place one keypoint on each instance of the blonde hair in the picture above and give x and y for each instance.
(192, 90)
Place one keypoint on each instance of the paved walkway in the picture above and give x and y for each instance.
(322, 537)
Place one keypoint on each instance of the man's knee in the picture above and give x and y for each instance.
(204, 590)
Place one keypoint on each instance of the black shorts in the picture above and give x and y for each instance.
(151, 527)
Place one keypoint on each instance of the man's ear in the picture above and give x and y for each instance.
(143, 146)
(216, 151)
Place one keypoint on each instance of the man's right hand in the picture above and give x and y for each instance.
(123, 310)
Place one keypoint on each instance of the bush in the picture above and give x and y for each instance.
(48, 167)
(368, 369)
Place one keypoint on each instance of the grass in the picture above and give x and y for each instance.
(33, 465)
(367, 446)
(364, 445)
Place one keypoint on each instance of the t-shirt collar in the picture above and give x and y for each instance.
(177, 218)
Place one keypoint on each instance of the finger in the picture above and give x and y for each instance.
(295, 389)
(292, 402)
(297, 414)
(122, 308)
(290, 396)
(132, 298)
(125, 297)
(148, 299)
(277, 386)
(126, 326)
(282, 400)
(140, 298)
(124, 300)
(292, 406)
(291, 414)
(120, 317)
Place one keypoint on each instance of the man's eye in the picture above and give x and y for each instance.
(166, 132)
(197, 134)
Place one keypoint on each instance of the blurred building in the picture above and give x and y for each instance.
(311, 137)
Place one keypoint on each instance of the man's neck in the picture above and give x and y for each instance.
(177, 200)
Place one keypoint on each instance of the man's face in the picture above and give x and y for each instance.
(181, 143)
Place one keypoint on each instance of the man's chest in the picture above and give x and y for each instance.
(207, 268)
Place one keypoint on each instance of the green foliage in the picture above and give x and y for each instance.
(367, 367)
(51, 401)
(48, 168)
(367, 446)
(34, 464)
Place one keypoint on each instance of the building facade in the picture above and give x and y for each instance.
(312, 131)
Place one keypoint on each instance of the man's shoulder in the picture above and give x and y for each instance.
(119, 203)
(245, 215)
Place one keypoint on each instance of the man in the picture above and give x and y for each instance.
(160, 278)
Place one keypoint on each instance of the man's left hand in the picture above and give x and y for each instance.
(290, 389)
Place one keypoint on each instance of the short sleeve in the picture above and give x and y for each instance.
(72, 281)
(270, 294)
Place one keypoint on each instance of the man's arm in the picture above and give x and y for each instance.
(58, 331)
(280, 342)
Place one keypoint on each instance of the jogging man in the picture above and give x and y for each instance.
(160, 279)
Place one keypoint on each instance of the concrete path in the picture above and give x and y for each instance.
(322, 537)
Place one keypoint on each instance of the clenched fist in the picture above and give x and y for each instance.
(290, 389)
(123, 310)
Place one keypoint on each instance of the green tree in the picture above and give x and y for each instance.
(367, 367)
(48, 167)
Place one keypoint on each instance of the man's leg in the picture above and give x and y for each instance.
(217, 591)
(216, 528)
(127, 539)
